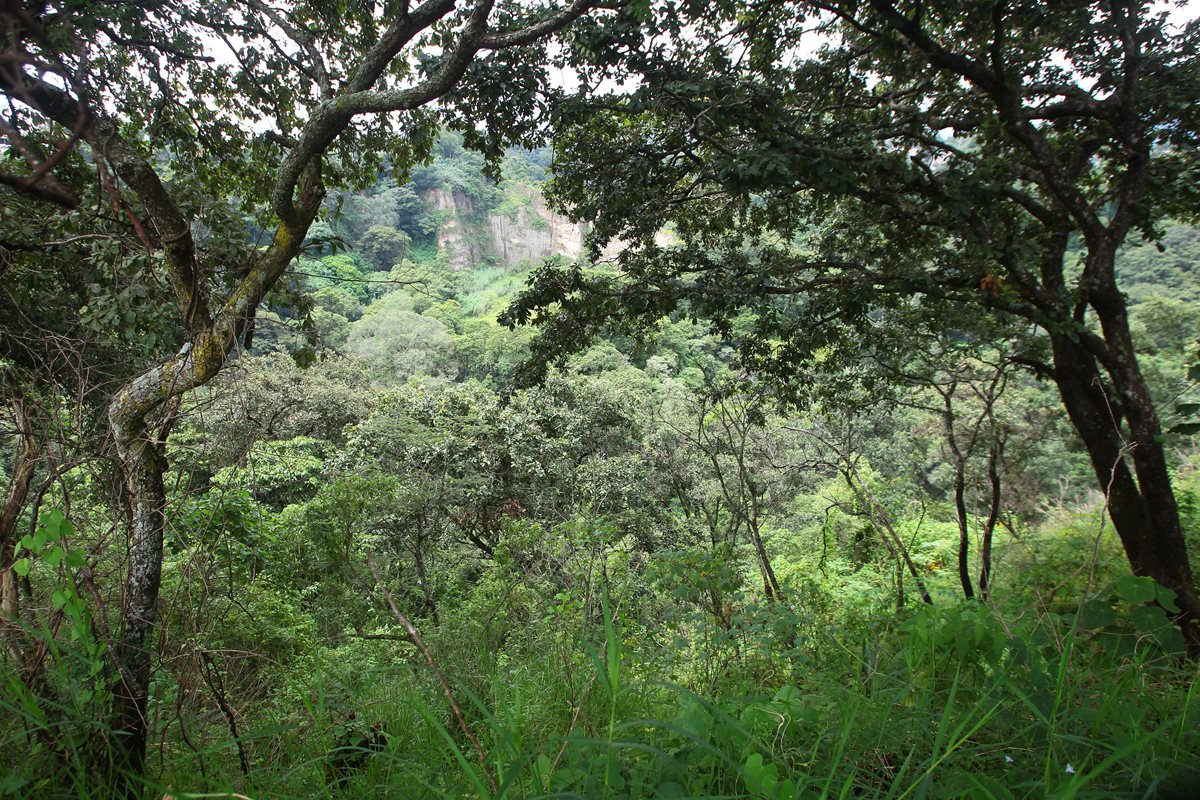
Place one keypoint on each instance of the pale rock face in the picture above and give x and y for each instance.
(532, 233)
(535, 234)
(453, 237)
(614, 248)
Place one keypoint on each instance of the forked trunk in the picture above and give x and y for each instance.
(1142, 509)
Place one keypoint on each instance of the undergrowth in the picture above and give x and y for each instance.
(936, 702)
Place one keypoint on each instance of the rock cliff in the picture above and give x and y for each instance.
(527, 231)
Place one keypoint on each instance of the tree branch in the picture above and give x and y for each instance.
(430, 662)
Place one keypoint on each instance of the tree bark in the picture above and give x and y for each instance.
(423, 578)
(1141, 502)
(960, 489)
(964, 533)
(771, 583)
(883, 525)
(144, 465)
(136, 410)
(24, 465)
(995, 453)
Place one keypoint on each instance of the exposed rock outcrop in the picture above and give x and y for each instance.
(531, 232)
(454, 209)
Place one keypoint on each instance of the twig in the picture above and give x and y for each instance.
(432, 664)
(212, 676)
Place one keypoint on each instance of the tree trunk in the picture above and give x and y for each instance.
(24, 465)
(423, 580)
(1142, 510)
(964, 531)
(136, 410)
(144, 465)
(774, 592)
(770, 583)
(960, 491)
(887, 532)
(995, 453)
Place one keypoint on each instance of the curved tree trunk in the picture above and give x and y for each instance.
(139, 409)
(964, 531)
(887, 532)
(995, 453)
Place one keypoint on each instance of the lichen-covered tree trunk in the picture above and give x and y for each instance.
(312, 113)
(137, 417)
(144, 466)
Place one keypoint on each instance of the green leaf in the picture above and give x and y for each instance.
(1096, 614)
(1149, 619)
(22, 566)
(542, 768)
(53, 557)
(753, 769)
(669, 790)
(1135, 589)
(52, 523)
(11, 783)
(1166, 598)
(986, 786)
(761, 779)
(59, 599)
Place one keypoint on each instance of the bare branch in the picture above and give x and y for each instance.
(430, 662)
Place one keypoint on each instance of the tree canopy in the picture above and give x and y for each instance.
(849, 449)
(927, 162)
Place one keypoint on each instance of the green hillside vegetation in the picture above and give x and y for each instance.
(581, 557)
(711, 514)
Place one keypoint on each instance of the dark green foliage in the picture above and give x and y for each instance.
(1167, 265)
(384, 247)
(685, 563)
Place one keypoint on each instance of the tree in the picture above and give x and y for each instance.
(171, 131)
(384, 246)
(936, 158)
(397, 343)
(730, 433)
(965, 392)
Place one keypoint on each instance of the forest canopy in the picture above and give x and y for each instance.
(599, 399)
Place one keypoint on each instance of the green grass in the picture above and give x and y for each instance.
(423, 252)
(951, 707)
(488, 289)
(642, 695)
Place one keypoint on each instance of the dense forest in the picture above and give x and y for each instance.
(599, 400)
